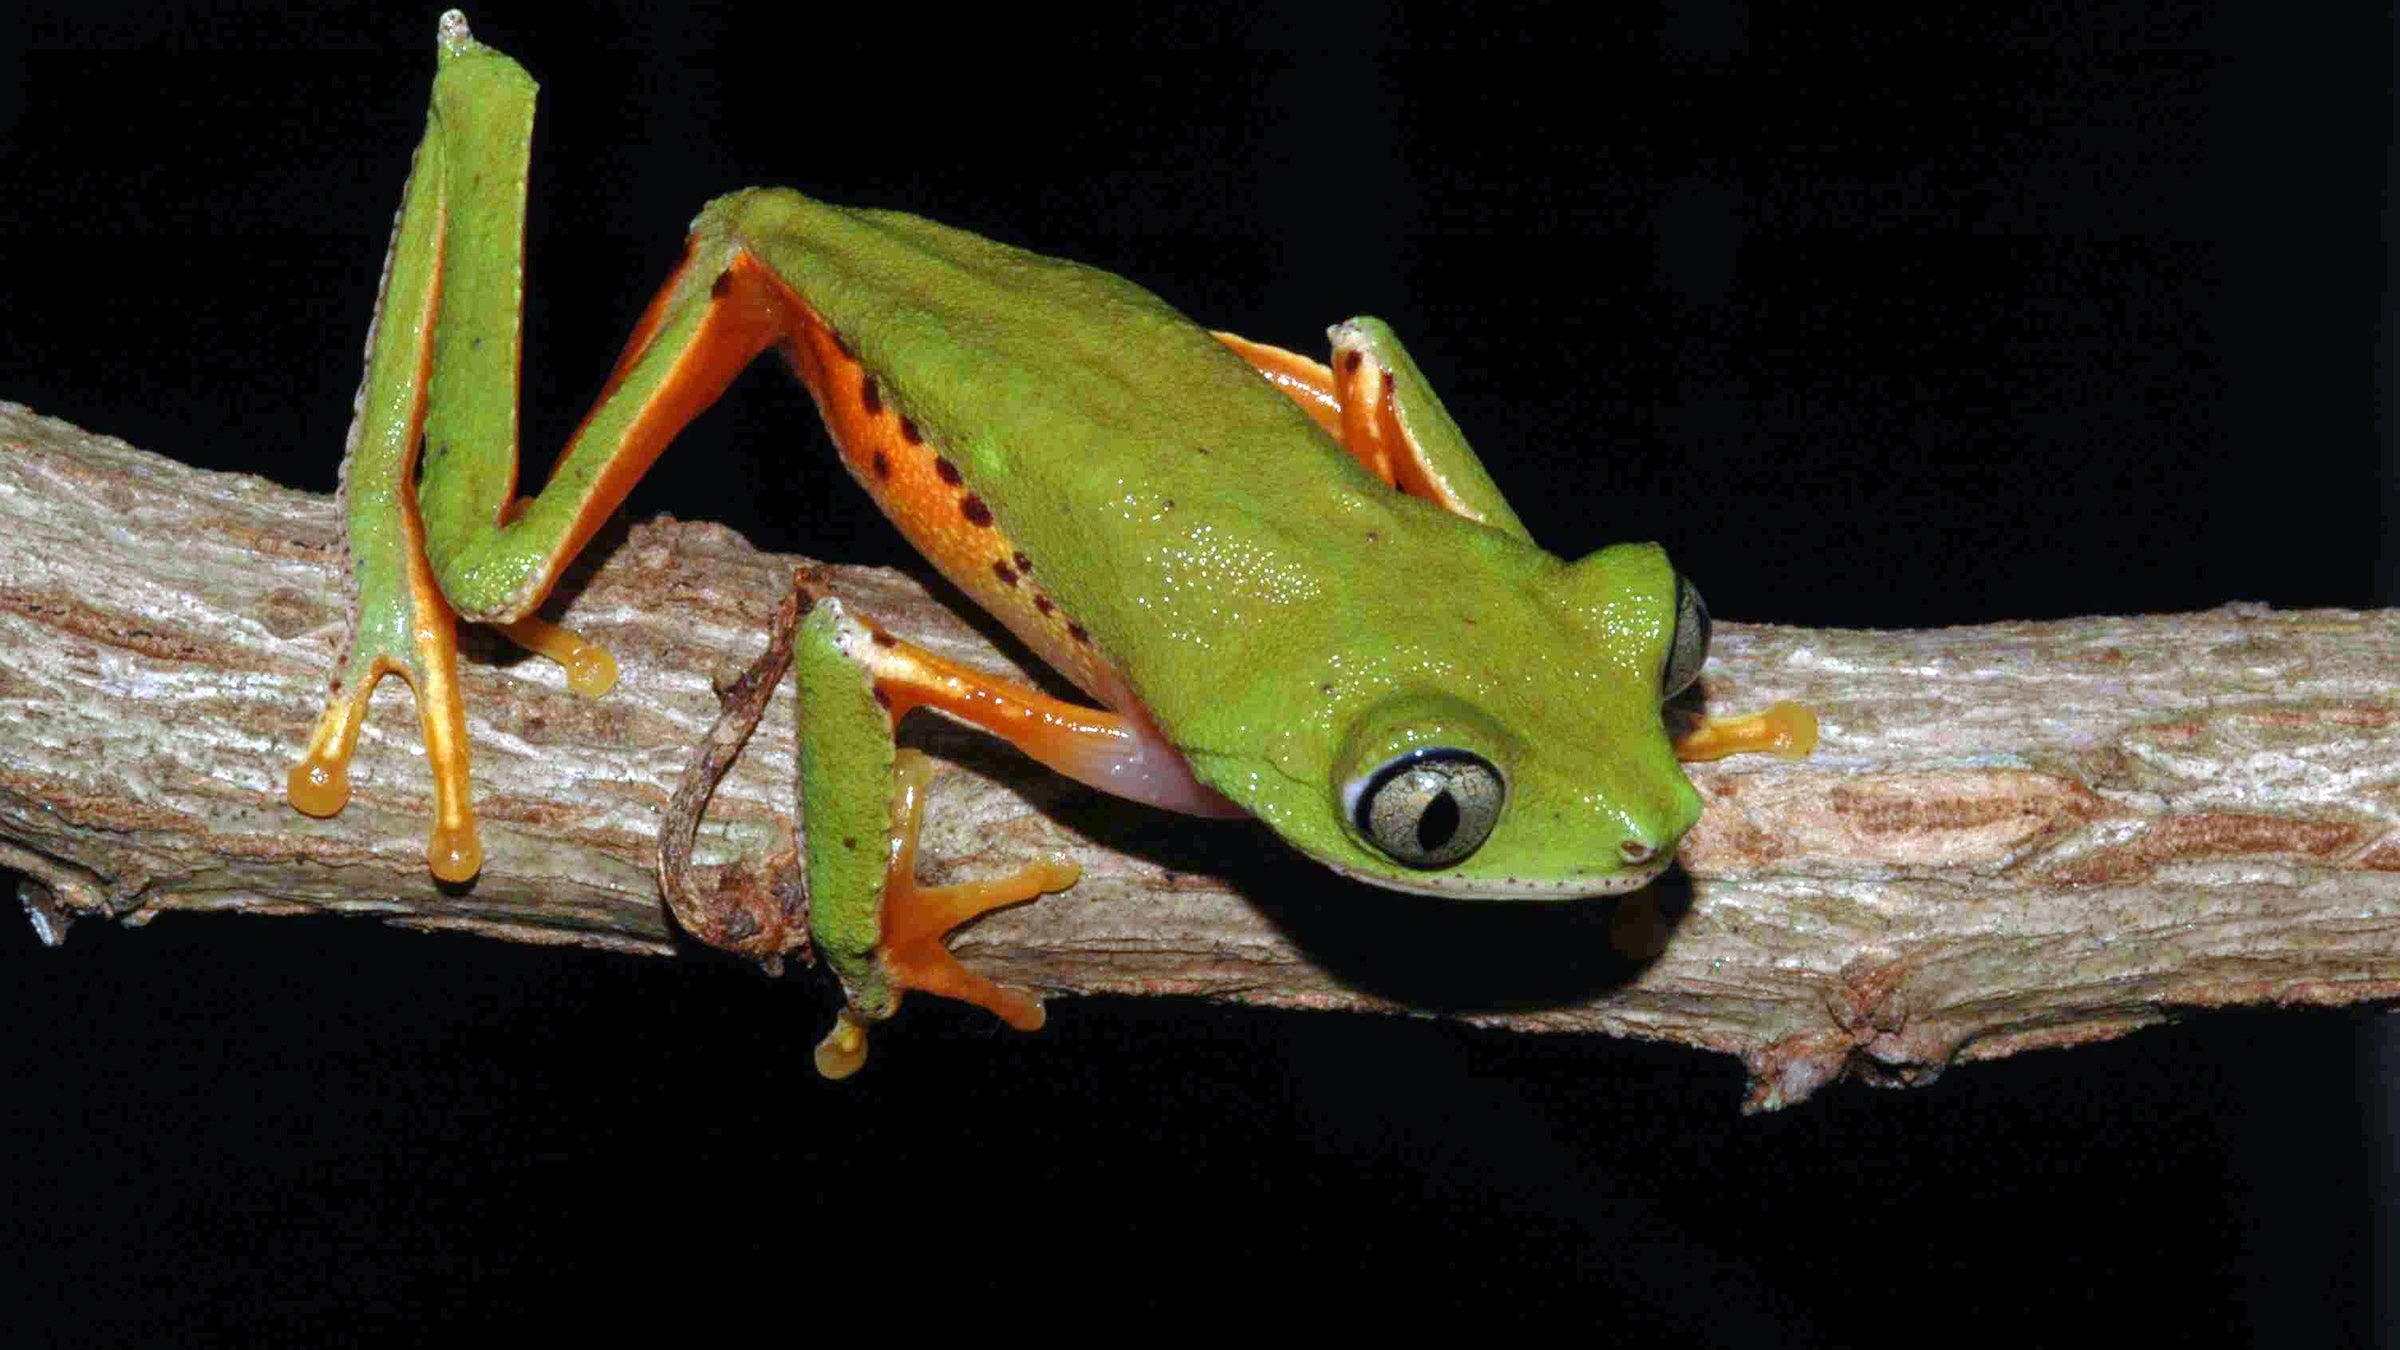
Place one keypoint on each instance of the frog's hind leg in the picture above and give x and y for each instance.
(432, 543)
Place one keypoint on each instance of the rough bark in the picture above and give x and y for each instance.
(2014, 835)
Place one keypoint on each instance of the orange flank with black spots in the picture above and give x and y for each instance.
(925, 494)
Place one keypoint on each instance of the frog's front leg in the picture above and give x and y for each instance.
(1373, 400)
(862, 799)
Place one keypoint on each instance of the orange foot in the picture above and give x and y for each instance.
(916, 918)
(1787, 729)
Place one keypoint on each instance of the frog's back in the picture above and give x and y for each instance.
(1098, 471)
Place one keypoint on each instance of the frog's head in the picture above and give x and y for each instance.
(1538, 765)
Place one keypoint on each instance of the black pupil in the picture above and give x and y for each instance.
(1439, 822)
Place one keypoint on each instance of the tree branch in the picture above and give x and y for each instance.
(2013, 836)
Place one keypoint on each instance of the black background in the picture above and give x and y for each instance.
(1937, 319)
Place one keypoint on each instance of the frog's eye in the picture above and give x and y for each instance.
(1689, 651)
(1430, 807)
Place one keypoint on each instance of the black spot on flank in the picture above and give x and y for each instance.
(721, 287)
(1008, 577)
(1024, 564)
(883, 465)
(947, 470)
(871, 396)
(909, 432)
(977, 514)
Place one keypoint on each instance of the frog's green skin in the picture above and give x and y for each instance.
(1191, 543)
(1284, 618)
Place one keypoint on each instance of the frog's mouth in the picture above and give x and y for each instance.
(1456, 887)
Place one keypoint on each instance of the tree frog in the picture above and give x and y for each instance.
(1290, 587)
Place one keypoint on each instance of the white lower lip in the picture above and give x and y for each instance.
(1510, 888)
